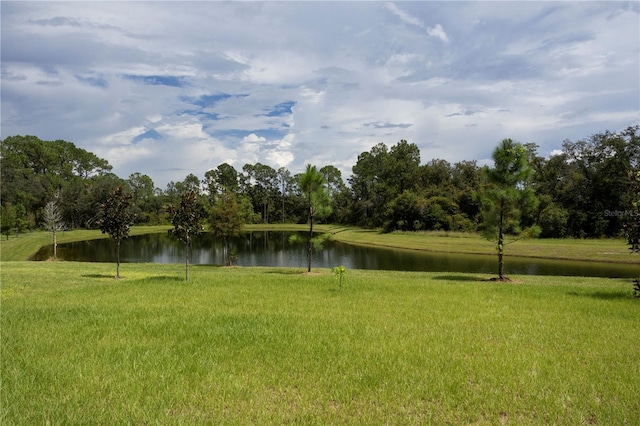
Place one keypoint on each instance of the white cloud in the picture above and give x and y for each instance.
(438, 32)
(291, 83)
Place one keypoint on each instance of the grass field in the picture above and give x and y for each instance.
(278, 346)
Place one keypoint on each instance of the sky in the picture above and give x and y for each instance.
(172, 88)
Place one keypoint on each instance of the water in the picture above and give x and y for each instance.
(273, 248)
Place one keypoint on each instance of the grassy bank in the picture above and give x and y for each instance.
(603, 250)
(25, 245)
(274, 346)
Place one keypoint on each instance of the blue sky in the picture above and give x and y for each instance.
(172, 88)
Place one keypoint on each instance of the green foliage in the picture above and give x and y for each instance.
(312, 185)
(508, 190)
(8, 219)
(340, 272)
(389, 188)
(186, 219)
(553, 221)
(227, 219)
(116, 219)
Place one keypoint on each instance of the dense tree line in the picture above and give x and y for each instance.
(581, 192)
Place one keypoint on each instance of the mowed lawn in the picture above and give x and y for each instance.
(278, 346)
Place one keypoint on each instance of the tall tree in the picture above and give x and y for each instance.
(284, 178)
(370, 191)
(117, 218)
(311, 184)
(506, 193)
(186, 219)
(338, 192)
(52, 222)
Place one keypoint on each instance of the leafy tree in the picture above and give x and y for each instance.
(370, 190)
(507, 191)
(186, 219)
(117, 218)
(34, 171)
(262, 187)
(223, 178)
(52, 222)
(8, 219)
(595, 183)
(632, 220)
(402, 168)
(311, 183)
(227, 219)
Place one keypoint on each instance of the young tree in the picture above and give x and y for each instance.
(186, 219)
(227, 219)
(311, 184)
(506, 194)
(117, 218)
(52, 222)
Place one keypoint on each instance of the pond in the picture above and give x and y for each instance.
(273, 248)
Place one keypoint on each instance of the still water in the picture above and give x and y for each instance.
(273, 248)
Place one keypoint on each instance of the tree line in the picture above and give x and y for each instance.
(583, 191)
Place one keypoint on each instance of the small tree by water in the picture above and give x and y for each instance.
(186, 219)
(116, 218)
(312, 185)
(227, 220)
(52, 222)
(507, 193)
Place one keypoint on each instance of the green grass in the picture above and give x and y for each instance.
(277, 346)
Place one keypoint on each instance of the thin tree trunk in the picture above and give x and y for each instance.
(501, 248)
(186, 262)
(55, 246)
(118, 258)
(310, 234)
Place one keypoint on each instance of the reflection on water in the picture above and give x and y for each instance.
(273, 248)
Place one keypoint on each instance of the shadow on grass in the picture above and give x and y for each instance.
(602, 295)
(460, 278)
(162, 278)
(100, 276)
(288, 272)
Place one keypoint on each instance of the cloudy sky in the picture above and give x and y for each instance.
(172, 88)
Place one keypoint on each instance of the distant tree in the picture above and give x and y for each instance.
(284, 178)
(632, 220)
(117, 218)
(338, 192)
(632, 215)
(52, 222)
(311, 184)
(506, 193)
(261, 183)
(227, 219)
(8, 219)
(186, 219)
